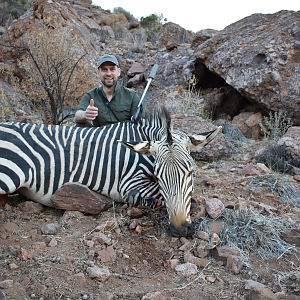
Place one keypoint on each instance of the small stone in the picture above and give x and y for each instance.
(103, 239)
(8, 227)
(23, 254)
(210, 279)
(261, 293)
(234, 264)
(215, 240)
(50, 229)
(105, 226)
(170, 264)
(251, 284)
(139, 229)
(186, 269)
(214, 207)
(154, 296)
(89, 244)
(99, 274)
(13, 266)
(52, 243)
(6, 284)
(134, 212)
(187, 246)
(107, 254)
(216, 227)
(221, 253)
(31, 207)
(203, 235)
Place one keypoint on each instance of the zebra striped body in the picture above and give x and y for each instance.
(38, 159)
(155, 165)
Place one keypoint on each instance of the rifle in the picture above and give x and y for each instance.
(138, 111)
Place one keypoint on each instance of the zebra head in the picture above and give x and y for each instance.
(173, 168)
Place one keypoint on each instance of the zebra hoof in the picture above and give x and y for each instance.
(133, 198)
(186, 230)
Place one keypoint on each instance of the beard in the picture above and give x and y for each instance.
(114, 81)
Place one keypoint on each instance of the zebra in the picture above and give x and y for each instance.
(154, 168)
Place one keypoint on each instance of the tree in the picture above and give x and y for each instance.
(55, 69)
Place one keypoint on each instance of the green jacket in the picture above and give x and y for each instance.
(123, 103)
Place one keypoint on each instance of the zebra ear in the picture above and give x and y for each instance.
(144, 147)
(196, 142)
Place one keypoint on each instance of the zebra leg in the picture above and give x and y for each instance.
(133, 198)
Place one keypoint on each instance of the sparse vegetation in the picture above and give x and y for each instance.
(123, 11)
(11, 9)
(279, 184)
(139, 40)
(189, 101)
(275, 125)
(54, 70)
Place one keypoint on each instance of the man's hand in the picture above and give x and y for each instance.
(91, 112)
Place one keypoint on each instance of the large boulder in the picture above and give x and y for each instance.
(259, 56)
(171, 35)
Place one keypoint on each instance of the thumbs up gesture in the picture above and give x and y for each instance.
(91, 112)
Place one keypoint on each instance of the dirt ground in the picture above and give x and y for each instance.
(60, 271)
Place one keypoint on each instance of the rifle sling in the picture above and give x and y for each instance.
(106, 102)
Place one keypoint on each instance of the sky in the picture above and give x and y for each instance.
(196, 15)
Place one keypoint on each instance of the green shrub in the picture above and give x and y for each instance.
(149, 20)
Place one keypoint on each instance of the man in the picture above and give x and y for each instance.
(110, 103)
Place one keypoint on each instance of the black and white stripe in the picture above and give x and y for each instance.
(39, 159)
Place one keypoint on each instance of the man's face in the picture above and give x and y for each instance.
(108, 73)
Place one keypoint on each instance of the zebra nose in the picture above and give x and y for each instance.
(186, 230)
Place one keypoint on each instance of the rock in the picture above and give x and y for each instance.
(201, 250)
(107, 254)
(139, 229)
(170, 264)
(134, 81)
(291, 142)
(50, 229)
(263, 168)
(6, 284)
(31, 207)
(154, 296)
(76, 196)
(103, 239)
(171, 35)
(222, 253)
(292, 236)
(216, 226)
(186, 246)
(72, 214)
(23, 254)
(210, 279)
(248, 124)
(134, 23)
(202, 235)
(259, 57)
(215, 240)
(250, 171)
(52, 243)
(136, 68)
(234, 264)
(13, 266)
(8, 227)
(199, 262)
(214, 207)
(104, 226)
(251, 284)
(99, 274)
(135, 212)
(186, 269)
(261, 293)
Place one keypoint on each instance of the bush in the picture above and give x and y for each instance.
(11, 9)
(123, 11)
(275, 125)
(275, 158)
(149, 20)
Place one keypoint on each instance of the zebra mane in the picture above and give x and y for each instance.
(160, 118)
